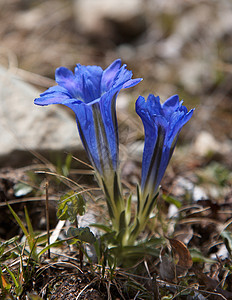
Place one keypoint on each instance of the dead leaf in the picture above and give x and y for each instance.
(5, 284)
(182, 256)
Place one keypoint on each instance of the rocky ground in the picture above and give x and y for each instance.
(182, 47)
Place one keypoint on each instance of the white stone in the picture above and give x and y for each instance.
(90, 14)
(195, 74)
(183, 185)
(25, 126)
(206, 143)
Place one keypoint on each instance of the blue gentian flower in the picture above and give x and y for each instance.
(91, 93)
(162, 125)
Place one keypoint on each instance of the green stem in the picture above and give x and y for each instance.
(145, 207)
(115, 202)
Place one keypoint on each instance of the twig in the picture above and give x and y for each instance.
(81, 161)
(136, 295)
(47, 218)
(81, 255)
(87, 286)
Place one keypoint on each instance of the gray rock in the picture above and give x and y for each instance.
(26, 127)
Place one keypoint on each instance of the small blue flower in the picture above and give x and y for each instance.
(162, 125)
(91, 93)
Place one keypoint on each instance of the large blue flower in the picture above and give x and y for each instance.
(162, 125)
(91, 93)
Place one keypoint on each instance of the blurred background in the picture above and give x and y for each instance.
(182, 46)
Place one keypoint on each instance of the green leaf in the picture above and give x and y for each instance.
(108, 200)
(12, 276)
(138, 199)
(172, 200)
(22, 189)
(112, 261)
(70, 205)
(227, 236)
(10, 241)
(31, 236)
(152, 204)
(102, 227)
(136, 228)
(117, 192)
(140, 251)
(67, 165)
(130, 255)
(122, 221)
(128, 210)
(82, 234)
(4, 244)
(42, 239)
(55, 244)
(9, 253)
(198, 257)
(29, 225)
(18, 221)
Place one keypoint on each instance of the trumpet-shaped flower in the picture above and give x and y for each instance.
(91, 93)
(162, 125)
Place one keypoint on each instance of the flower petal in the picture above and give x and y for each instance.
(89, 80)
(171, 103)
(85, 124)
(65, 78)
(54, 95)
(131, 83)
(109, 75)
